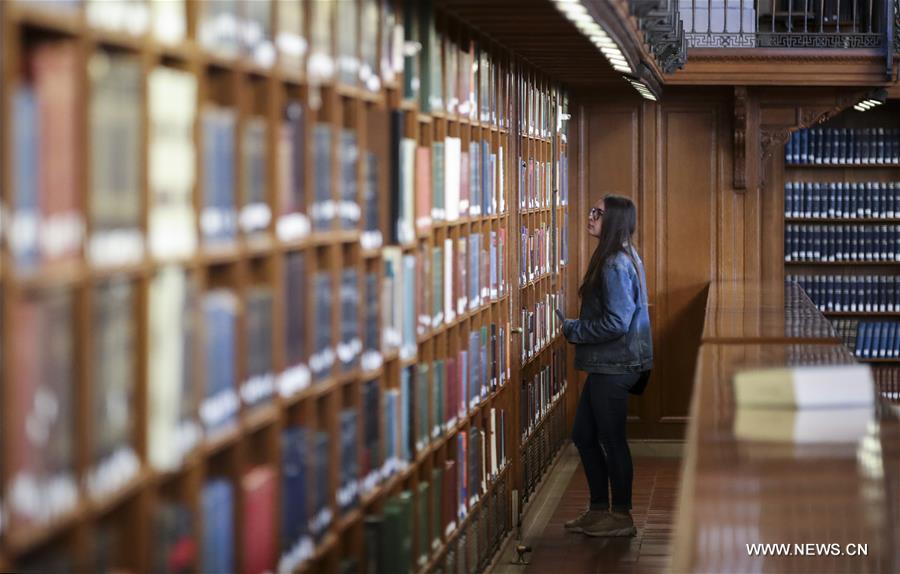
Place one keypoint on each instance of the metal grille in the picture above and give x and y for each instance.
(821, 24)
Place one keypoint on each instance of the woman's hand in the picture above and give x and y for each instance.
(560, 316)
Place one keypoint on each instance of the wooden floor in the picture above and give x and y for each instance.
(564, 497)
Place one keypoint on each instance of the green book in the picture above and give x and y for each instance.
(423, 525)
(437, 519)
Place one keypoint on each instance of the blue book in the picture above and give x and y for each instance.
(323, 209)
(790, 147)
(801, 148)
(486, 186)
(474, 367)
(322, 359)
(827, 145)
(348, 495)
(26, 178)
(877, 349)
(483, 360)
(218, 526)
(890, 339)
(321, 464)
(221, 403)
(465, 397)
(294, 472)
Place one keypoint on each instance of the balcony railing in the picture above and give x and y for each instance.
(818, 24)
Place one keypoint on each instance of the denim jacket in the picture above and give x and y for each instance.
(613, 336)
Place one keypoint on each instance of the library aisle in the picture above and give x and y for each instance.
(279, 281)
(555, 550)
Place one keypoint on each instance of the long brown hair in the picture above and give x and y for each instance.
(619, 223)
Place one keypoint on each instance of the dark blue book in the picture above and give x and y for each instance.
(350, 345)
(322, 359)
(218, 526)
(789, 199)
(827, 145)
(790, 148)
(877, 349)
(842, 146)
(348, 490)
(218, 220)
(801, 155)
(371, 422)
(890, 339)
(295, 481)
(219, 408)
(321, 462)
(324, 209)
(474, 369)
(348, 209)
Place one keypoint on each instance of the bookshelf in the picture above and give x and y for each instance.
(842, 200)
(292, 284)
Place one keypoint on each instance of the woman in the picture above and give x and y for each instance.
(613, 344)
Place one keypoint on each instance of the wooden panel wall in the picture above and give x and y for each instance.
(674, 159)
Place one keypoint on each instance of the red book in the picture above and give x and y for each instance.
(448, 497)
(55, 68)
(260, 538)
(423, 187)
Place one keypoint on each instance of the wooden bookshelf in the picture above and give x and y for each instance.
(843, 173)
(511, 113)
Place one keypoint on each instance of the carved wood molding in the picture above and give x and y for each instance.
(773, 138)
(740, 138)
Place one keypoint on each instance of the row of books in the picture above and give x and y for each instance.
(853, 293)
(542, 446)
(43, 483)
(876, 199)
(451, 183)
(803, 242)
(877, 340)
(818, 355)
(540, 324)
(389, 534)
(539, 393)
(536, 184)
(480, 537)
(843, 146)
(360, 44)
(464, 274)
(469, 80)
(440, 183)
(887, 380)
(536, 258)
(48, 226)
(541, 107)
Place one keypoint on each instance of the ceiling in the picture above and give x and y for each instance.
(538, 33)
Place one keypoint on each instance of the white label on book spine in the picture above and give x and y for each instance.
(257, 389)
(116, 247)
(255, 217)
(292, 226)
(41, 499)
(113, 472)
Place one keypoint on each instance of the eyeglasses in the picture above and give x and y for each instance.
(596, 213)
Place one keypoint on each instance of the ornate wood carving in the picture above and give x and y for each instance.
(740, 138)
(774, 137)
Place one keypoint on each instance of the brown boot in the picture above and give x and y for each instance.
(613, 524)
(586, 518)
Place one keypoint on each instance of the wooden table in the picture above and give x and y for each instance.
(739, 491)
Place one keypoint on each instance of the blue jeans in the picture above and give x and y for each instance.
(599, 435)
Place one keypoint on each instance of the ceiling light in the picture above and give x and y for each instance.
(873, 103)
(620, 68)
(566, 1)
(573, 9)
(616, 60)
